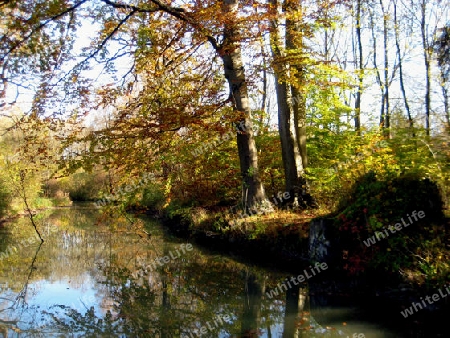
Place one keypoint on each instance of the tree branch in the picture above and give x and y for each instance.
(130, 7)
(109, 36)
(177, 12)
(38, 28)
(99, 48)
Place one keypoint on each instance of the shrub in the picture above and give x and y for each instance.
(372, 205)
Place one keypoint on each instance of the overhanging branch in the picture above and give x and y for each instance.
(39, 27)
(108, 37)
(176, 12)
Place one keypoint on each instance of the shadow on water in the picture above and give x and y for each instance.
(103, 277)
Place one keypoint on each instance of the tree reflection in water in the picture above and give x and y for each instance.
(106, 265)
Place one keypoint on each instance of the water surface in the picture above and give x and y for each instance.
(96, 276)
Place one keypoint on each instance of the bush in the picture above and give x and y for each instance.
(375, 204)
(338, 162)
(393, 198)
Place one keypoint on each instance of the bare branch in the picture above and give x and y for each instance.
(100, 46)
(38, 28)
(176, 12)
(130, 7)
(108, 37)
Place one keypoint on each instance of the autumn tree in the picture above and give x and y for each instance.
(230, 53)
(39, 38)
(292, 161)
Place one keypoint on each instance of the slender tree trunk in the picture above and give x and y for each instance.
(292, 161)
(375, 67)
(361, 69)
(427, 60)
(264, 89)
(291, 157)
(3, 83)
(291, 113)
(299, 109)
(400, 65)
(253, 194)
(294, 41)
(446, 103)
(386, 116)
(264, 80)
(442, 48)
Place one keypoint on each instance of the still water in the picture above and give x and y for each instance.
(97, 276)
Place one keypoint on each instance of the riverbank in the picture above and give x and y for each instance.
(281, 240)
(44, 204)
(278, 239)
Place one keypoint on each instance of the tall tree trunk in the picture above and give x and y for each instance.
(289, 153)
(400, 65)
(361, 69)
(292, 161)
(291, 116)
(427, 60)
(442, 48)
(264, 78)
(299, 109)
(446, 101)
(253, 194)
(294, 41)
(386, 114)
(377, 70)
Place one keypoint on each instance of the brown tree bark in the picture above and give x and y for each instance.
(289, 151)
(381, 82)
(385, 114)
(291, 106)
(294, 41)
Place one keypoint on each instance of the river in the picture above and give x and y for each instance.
(120, 276)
